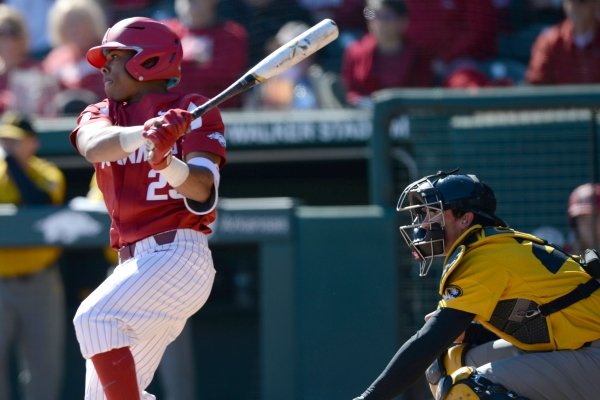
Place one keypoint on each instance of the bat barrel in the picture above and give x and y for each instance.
(296, 50)
(291, 53)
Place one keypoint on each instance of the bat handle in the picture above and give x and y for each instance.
(201, 110)
(241, 85)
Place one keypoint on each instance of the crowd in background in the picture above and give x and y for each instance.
(382, 44)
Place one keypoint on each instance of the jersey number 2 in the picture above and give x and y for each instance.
(155, 187)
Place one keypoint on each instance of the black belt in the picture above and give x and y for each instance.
(128, 251)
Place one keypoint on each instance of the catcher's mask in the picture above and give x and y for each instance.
(426, 200)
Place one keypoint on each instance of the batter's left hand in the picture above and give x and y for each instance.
(162, 133)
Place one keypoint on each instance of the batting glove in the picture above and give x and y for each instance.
(162, 133)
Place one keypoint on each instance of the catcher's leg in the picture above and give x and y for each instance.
(444, 365)
(449, 379)
(467, 383)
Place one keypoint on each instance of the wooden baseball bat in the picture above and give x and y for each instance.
(286, 56)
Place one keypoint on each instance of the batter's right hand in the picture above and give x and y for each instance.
(162, 133)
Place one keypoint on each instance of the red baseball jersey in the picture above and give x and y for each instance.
(557, 60)
(365, 69)
(139, 200)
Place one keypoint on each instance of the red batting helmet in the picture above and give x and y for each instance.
(582, 199)
(158, 49)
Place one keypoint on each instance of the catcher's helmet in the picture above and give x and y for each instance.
(427, 198)
(158, 49)
(584, 199)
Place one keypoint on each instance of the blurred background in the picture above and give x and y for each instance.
(315, 288)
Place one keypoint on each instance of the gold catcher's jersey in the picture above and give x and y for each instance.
(502, 275)
(26, 260)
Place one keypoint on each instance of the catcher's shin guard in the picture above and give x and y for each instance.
(445, 365)
(467, 383)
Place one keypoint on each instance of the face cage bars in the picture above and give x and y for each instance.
(426, 247)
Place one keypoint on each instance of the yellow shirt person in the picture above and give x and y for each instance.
(26, 180)
(31, 285)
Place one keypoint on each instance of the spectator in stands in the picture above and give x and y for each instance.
(584, 219)
(32, 299)
(74, 27)
(383, 58)
(569, 52)
(348, 15)
(23, 86)
(514, 15)
(305, 86)
(117, 10)
(469, 74)
(215, 50)
(35, 23)
(262, 19)
(451, 32)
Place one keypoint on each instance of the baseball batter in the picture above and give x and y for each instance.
(159, 175)
(518, 318)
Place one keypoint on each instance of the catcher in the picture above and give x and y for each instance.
(518, 319)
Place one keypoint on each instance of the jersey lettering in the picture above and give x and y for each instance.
(137, 157)
(159, 185)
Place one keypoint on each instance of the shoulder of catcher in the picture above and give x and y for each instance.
(476, 237)
(482, 235)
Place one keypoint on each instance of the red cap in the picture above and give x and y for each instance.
(581, 200)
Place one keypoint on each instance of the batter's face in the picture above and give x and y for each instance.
(119, 85)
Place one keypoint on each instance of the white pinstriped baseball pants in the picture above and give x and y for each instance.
(145, 304)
